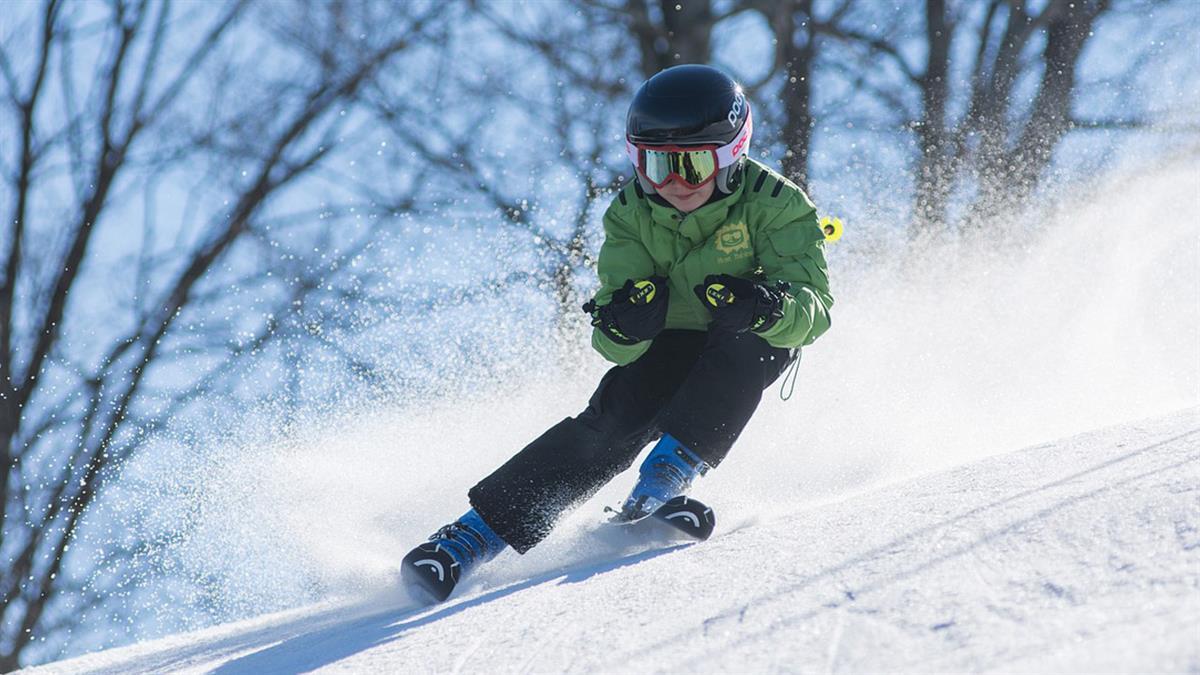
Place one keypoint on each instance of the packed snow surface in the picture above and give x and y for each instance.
(1080, 555)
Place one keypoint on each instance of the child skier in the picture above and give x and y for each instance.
(712, 276)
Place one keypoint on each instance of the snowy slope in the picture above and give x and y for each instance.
(1079, 555)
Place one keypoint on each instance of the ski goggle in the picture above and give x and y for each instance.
(694, 165)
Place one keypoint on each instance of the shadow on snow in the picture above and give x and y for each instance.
(312, 650)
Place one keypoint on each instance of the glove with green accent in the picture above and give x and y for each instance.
(637, 311)
(739, 305)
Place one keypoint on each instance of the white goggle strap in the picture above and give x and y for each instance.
(727, 155)
(632, 151)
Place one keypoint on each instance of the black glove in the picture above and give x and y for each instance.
(739, 305)
(637, 311)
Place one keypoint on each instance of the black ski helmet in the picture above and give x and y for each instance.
(691, 105)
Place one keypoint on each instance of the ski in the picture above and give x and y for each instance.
(431, 570)
(687, 515)
(682, 515)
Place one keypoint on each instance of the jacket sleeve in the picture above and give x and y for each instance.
(622, 256)
(792, 249)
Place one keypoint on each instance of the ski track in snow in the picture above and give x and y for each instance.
(1079, 555)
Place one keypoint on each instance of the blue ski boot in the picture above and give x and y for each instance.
(436, 566)
(666, 473)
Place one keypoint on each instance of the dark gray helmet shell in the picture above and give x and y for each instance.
(690, 105)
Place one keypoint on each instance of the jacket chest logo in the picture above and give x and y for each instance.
(733, 240)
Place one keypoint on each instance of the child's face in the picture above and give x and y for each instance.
(685, 198)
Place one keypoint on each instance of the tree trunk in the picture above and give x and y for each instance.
(1009, 175)
(1051, 117)
(935, 169)
(687, 27)
(683, 36)
(796, 39)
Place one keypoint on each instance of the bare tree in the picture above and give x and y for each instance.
(105, 103)
(993, 93)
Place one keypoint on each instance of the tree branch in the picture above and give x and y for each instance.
(11, 400)
(108, 163)
(875, 44)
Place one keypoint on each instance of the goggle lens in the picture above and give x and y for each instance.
(695, 167)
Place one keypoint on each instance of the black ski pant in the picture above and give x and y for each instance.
(700, 387)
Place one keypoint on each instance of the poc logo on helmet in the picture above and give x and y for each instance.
(735, 111)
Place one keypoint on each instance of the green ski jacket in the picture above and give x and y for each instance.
(767, 226)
